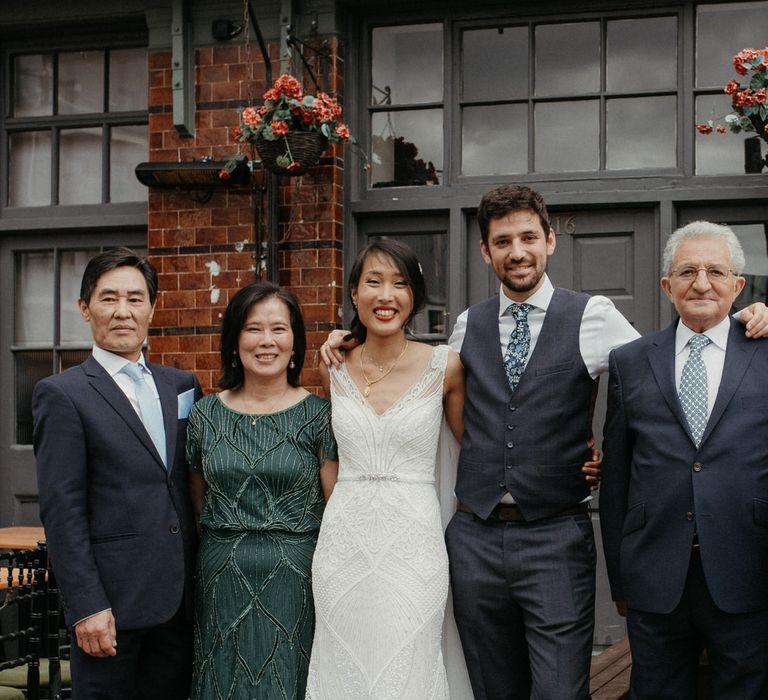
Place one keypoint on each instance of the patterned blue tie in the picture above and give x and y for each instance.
(149, 407)
(693, 388)
(516, 355)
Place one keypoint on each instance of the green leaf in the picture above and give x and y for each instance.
(283, 161)
(326, 130)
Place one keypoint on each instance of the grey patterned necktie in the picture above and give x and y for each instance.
(516, 356)
(693, 388)
(149, 407)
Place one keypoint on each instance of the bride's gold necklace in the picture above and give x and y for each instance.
(371, 382)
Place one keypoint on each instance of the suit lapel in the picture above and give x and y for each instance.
(169, 403)
(661, 357)
(738, 356)
(100, 380)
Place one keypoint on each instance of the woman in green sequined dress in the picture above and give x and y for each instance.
(264, 459)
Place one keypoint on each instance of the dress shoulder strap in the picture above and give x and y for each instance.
(440, 358)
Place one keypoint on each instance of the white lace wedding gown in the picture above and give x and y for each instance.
(380, 571)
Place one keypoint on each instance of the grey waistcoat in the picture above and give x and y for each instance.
(531, 443)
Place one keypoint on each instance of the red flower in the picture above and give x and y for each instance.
(760, 96)
(720, 129)
(286, 85)
(343, 132)
(749, 56)
(279, 128)
(744, 56)
(293, 166)
(251, 117)
(704, 128)
(732, 86)
(224, 174)
(765, 130)
(743, 98)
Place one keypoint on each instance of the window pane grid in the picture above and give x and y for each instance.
(610, 77)
(50, 336)
(74, 115)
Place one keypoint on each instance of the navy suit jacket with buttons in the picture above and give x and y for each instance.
(658, 488)
(119, 525)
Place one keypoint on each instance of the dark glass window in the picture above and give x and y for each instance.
(49, 334)
(722, 30)
(595, 98)
(81, 115)
(406, 105)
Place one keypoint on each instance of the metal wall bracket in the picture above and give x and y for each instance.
(183, 69)
(286, 21)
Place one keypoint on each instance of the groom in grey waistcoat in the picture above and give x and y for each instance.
(521, 546)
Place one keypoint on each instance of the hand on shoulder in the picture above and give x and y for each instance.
(755, 318)
(332, 350)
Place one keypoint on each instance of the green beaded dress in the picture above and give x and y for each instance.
(254, 617)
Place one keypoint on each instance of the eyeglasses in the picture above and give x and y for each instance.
(715, 274)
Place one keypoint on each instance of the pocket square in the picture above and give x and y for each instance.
(186, 399)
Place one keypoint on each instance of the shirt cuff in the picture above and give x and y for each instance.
(88, 617)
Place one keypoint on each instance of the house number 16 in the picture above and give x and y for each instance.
(563, 224)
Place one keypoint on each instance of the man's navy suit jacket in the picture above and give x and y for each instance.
(119, 526)
(658, 488)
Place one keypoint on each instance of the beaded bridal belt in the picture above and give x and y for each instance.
(386, 477)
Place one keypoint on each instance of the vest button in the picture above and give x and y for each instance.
(513, 408)
(509, 466)
(697, 466)
(501, 484)
(174, 529)
(689, 516)
(511, 427)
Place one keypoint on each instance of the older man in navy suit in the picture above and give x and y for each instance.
(684, 506)
(110, 444)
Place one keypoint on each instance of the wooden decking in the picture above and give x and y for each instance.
(609, 675)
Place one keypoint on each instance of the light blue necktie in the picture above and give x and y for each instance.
(149, 407)
(516, 356)
(693, 388)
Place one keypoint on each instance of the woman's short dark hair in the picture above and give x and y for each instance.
(506, 198)
(405, 261)
(114, 258)
(234, 319)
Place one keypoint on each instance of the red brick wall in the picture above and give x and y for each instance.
(187, 239)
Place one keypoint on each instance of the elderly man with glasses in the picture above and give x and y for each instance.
(684, 505)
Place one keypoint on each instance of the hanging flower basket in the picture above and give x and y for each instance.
(292, 154)
(291, 130)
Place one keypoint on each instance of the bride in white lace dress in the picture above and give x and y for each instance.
(380, 571)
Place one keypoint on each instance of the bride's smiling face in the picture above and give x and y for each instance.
(383, 297)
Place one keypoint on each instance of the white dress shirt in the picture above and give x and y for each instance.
(713, 356)
(603, 328)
